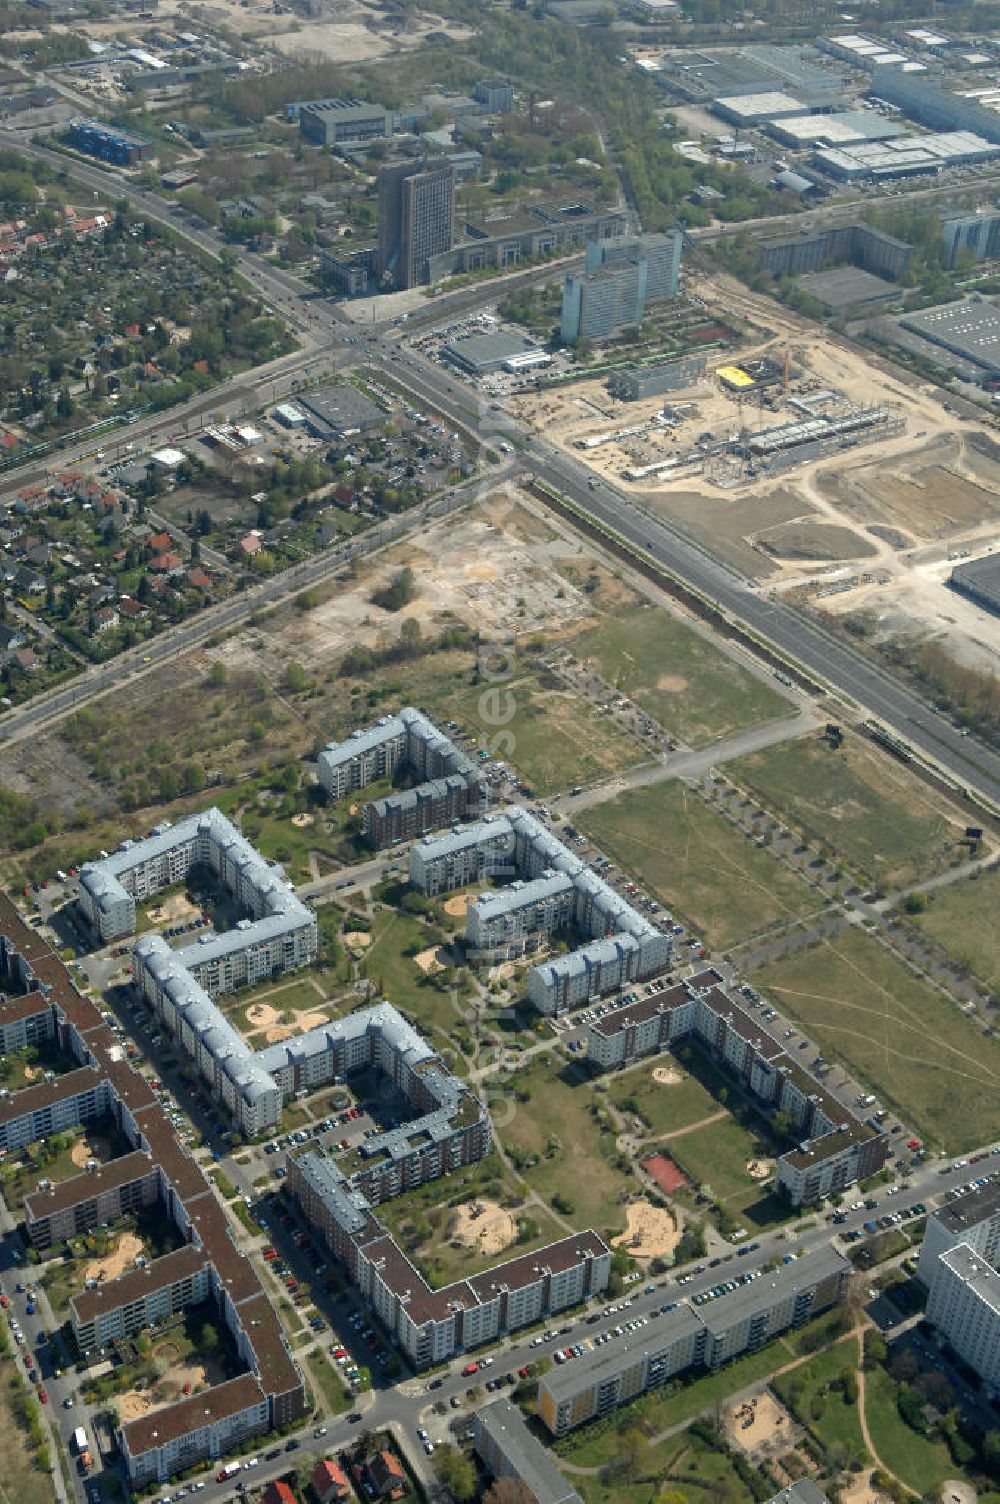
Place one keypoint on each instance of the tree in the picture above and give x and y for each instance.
(456, 1472)
(634, 1455)
(208, 1338)
(64, 405)
(508, 1491)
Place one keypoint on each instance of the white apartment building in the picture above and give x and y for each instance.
(503, 925)
(964, 1306)
(465, 855)
(972, 1219)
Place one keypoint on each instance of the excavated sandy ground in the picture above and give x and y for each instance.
(879, 520)
(770, 1421)
(116, 1262)
(651, 1231)
(490, 1231)
(434, 959)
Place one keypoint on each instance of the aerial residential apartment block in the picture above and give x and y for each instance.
(432, 1325)
(103, 1193)
(960, 1264)
(270, 1394)
(553, 889)
(835, 1148)
(688, 1337)
(450, 787)
(143, 1297)
(508, 1449)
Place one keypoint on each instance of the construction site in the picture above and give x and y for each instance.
(732, 425)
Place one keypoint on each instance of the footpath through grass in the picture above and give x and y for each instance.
(915, 1049)
(679, 677)
(724, 886)
(962, 919)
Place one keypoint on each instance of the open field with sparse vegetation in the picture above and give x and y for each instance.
(679, 677)
(863, 807)
(717, 880)
(916, 1050)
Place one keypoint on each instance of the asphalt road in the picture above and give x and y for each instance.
(887, 699)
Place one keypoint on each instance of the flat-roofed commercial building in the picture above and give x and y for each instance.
(508, 1449)
(333, 122)
(141, 1298)
(101, 1194)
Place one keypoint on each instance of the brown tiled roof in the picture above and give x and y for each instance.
(32, 1098)
(175, 1421)
(79, 1188)
(183, 1263)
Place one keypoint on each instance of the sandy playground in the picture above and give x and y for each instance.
(176, 908)
(357, 940)
(116, 1262)
(651, 1232)
(665, 1075)
(760, 1169)
(91, 1146)
(758, 1422)
(180, 1379)
(458, 904)
(263, 1016)
(483, 1225)
(303, 821)
(435, 958)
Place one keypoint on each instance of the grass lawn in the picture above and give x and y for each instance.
(558, 738)
(717, 1155)
(869, 809)
(332, 1396)
(724, 886)
(25, 1480)
(805, 1390)
(562, 1149)
(389, 961)
(917, 1051)
(419, 1220)
(664, 1108)
(920, 1462)
(679, 677)
(704, 1475)
(961, 918)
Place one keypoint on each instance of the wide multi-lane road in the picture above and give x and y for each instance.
(829, 659)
